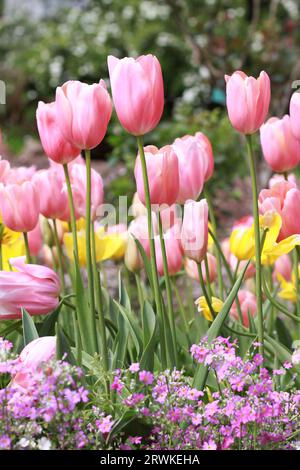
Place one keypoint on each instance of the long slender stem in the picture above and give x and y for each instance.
(214, 229)
(202, 284)
(59, 256)
(27, 250)
(152, 252)
(209, 291)
(99, 304)
(89, 265)
(72, 210)
(257, 245)
(168, 288)
(296, 270)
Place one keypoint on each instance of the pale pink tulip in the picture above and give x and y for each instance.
(36, 353)
(33, 287)
(163, 175)
(84, 112)
(194, 233)
(19, 206)
(138, 92)
(50, 185)
(284, 198)
(248, 305)
(276, 178)
(193, 167)
(191, 268)
(35, 240)
(78, 178)
(20, 174)
(283, 267)
(173, 252)
(4, 170)
(54, 143)
(247, 100)
(138, 229)
(280, 147)
(295, 114)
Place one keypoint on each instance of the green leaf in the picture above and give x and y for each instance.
(119, 425)
(214, 329)
(135, 330)
(48, 325)
(29, 330)
(124, 299)
(146, 262)
(151, 337)
(149, 322)
(63, 349)
(284, 335)
(120, 344)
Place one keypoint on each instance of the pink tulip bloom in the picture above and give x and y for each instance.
(295, 114)
(280, 148)
(78, 181)
(20, 174)
(163, 175)
(54, 143)
(248, 304)
(207, 153)
(33, 287)
(170, 215)
(84, 112)
(247, 100)
(36, 353)
(191, 268)
(194, 233)
(50, 185)
(173, 252)
(284, 198)
(4, 170)
(194, 166)
(35, 240)
(19, 206)
(138, 92)
(276, 178)
(283, 267)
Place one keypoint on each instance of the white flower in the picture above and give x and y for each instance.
(24, 443)
(44, 444)
(296, 357)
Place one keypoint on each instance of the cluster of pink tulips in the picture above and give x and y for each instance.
(173, 228)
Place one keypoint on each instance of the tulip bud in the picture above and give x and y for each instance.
(194, 233)
(295, 114)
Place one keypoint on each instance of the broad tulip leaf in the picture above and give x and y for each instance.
(29, 330)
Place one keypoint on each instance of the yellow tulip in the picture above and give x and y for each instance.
(203, 308)
(242, 240)
(12, 250)
(7, 236)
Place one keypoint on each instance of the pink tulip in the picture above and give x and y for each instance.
(280, 148)
(193, 166)
(247, 100)
(83, 112)
(4, 170)
(283, 266)
(191, 268)
(36, 353)
(138, 92)
(284, 198)
(19, 206)
(295, 114)
(50, 185)
(20, 174)
(207, 153)
(248, 304)
(78, 181)
(33, 287)
(279, 178)
(173, 252)
(194, 233)
(163, 175)
(170, 215)
(35, 240)
(138, 230)
(54, 143)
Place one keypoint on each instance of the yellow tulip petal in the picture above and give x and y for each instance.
(242, 243)
(12, 250)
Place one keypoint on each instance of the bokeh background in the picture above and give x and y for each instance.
(46, 42)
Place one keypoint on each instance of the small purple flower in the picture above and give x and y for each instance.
(146, 377)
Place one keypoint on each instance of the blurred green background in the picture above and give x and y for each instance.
(46, 42)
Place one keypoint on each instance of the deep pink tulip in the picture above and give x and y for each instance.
(280, 147)
(78, 181)
(84, 112)
(54, 143)
(163, 175)
(191, 268)
(4, 170)
(248, 304)
(33, 287)
(173, 252)
(194, 166)
(50, 185)
(284, 198)
(138, 92)
(283, 266)
(36, 353)
(295, 114)
(247, 100)
(19, 206)
(194, 233)
(35, 240)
